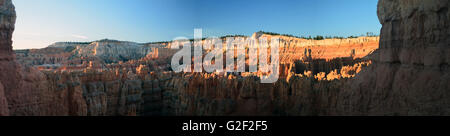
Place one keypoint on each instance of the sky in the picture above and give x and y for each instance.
(43, 22)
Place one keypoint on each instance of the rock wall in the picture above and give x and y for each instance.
(9, 76)
(410, 75)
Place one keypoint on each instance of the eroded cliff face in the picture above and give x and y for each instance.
(81, 54)
(410, 75)
(113, 51)
(9, 76)
(7, 23)
(23, 90)
(293, 48)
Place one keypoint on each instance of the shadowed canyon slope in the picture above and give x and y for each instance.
(404, 72)
(410, 75)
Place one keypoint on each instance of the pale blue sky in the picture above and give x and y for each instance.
(42, 22)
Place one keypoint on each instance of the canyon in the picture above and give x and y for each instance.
(402, 72)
